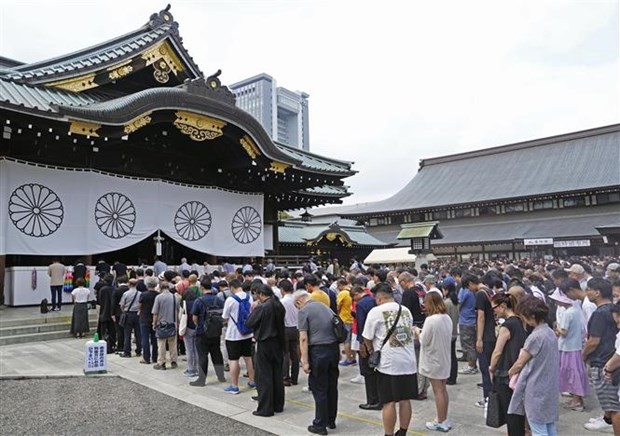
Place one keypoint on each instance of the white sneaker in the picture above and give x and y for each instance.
(596, 418)
(443, 427)
(598, 425)
(468, 370)
(306, 389)
(358, 379)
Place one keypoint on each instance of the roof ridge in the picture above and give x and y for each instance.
(520, 145)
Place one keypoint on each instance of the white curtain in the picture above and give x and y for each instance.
(60, 211)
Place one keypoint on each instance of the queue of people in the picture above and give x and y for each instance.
(534, 331)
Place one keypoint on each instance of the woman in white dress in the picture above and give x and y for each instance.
(435, 343)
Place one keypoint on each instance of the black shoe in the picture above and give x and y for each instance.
(173, 365)
(255, 397)
(317, 430)
(257, 413)
(451, 382)
(138, 353)
(479, 385)
(371, 406)
(331, 426)
(197, 383)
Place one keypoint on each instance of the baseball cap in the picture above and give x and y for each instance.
(575, 268)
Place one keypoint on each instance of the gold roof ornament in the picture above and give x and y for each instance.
(249, 146)
(198, 127)
(76, 84)
(137, 123)
(84, 128)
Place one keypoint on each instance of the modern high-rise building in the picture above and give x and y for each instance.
(282, 113)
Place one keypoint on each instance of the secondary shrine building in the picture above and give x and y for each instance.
(558, 195)
(104, 147)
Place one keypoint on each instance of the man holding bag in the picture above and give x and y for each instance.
(165, 322)
(388, 329)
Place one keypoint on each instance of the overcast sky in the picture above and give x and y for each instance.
(390, 82)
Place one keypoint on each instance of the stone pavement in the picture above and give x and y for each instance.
(65, 357)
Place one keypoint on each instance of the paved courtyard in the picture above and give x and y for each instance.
(65, 358)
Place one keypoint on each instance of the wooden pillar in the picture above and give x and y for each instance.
(2, 268)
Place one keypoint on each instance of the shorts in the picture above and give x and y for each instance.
(394, 388)
(238, 349)
(606, 392)
(349, 328)
(468, 341)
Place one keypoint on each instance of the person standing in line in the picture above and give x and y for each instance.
(290, 365)
(121, 288)
(159, 267)
(345, 304)
(536, 394)
(435, 356)
(320, 352)
(510, 340)
(56, 272)
(467, 322)
(105, 326)
(267, 321)
(485, 332)
(189, 337)
(364, 303)
(165, 309)
(451, 300)
(599, 348)
(79, 320)
(146, 301)
(129, 304)
(207, 316)
(570, 330)
(396, 371)
(238, 344)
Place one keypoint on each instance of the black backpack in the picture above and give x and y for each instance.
(213, 322)
(44, 308)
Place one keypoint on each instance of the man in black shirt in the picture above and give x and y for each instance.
(267, 321)
(599, 348)
(119, 269)
(485, 332)
(105, 326)
(116, 311)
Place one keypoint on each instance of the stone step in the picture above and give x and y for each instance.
(38, 319)
(39, 337)
(39, 328)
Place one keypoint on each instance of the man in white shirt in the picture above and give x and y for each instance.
(396, 372)
(238, 344)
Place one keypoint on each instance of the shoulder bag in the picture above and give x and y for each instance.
(375, 358)
(123, 318)
(166, 329)
(183, 319)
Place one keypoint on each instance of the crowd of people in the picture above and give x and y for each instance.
(534, 330)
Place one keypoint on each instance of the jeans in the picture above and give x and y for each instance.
(133, 323)
(539, 429)
(149, 342)
(291, 354)
(56, 295)
(323, 381)
(190, 349)
(484, 360)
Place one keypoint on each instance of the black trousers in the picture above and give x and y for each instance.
(120, 335)
(290, 367)
(453, 362)
(514, 423)
(107, 328)
(370, 378)
(56, 296)
(211, 346)
(268, 374)
(132, 323)
(323, 381)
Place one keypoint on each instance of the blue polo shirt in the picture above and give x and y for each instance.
(467, 312)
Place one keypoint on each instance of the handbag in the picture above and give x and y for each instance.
(183, 319)
(166, 329)
(340, 331)
(375, 358)
(122, 320)
(495, 417)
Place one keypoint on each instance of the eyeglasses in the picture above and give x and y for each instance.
(495, 306)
